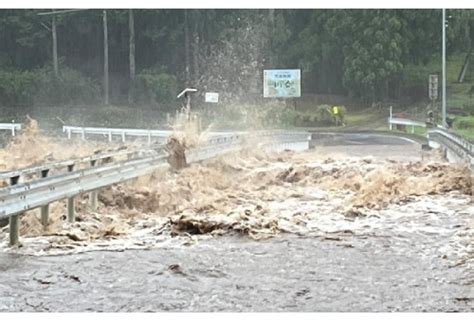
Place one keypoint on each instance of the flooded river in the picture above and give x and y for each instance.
(345, 231)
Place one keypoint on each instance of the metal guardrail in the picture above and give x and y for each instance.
(460, 146)
(400, 121)
(26, 196)
(92, 159)
(123, 133)
(21, 197)
(13, 127)
(110, 132)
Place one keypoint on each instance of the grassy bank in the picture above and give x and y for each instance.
(465, 126)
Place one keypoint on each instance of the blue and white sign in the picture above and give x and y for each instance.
(282, 83)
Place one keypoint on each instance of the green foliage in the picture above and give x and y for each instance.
(465, 122)
(155, 87)
(365, 53)
(374, 58)
(320, 116)
(375, 55)
(16, 87)
(276, 115)
(40, 87)
(464, 126)
(71, 88)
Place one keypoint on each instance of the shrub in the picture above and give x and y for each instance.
(17, 87)
(466, 122)
(155, 87)
(71, 88)
(41, 87)
(274, 115)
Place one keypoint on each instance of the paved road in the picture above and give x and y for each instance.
(362, 138)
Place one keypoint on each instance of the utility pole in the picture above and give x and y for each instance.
(270, 26)
(186, 47)
(55, 46)
(131, 26)
(106, 60)
(443, 104)
(53, 14)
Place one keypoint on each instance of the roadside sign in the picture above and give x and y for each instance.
(282, 83)
(212, 97)
(433, 87)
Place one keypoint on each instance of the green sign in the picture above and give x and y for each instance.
(282, 83)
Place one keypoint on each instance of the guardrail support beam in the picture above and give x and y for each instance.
(70, 201)
(44, 209)
(93, 194)
(14, 221)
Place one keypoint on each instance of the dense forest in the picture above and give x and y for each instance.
(371, 55)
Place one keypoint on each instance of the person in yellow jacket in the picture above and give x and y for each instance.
(335, 114)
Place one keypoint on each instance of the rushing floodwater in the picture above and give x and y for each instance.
(286, 273)
(412, 256)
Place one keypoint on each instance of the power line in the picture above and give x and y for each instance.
(59, 12)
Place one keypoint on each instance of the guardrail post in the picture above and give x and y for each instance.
(44, 209)
(14, 221)
(70, 201)
(390, 119)
(93, 194)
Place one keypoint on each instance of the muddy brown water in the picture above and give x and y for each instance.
(415, 256)
(285, 273)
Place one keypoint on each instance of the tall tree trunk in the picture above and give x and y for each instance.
(131, 26)
(106, 60)
(186, 47)
(195, 53)
(271, 24)
(465, 66)
(55, 46)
